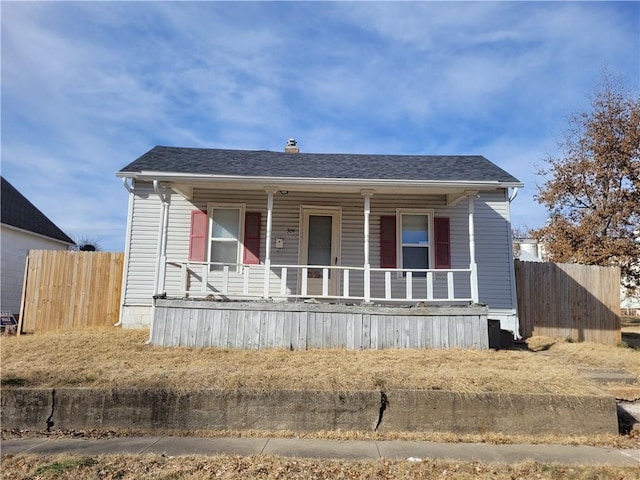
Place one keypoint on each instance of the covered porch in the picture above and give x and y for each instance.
(324, 242)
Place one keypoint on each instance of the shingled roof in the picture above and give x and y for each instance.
(261, 163)
(16, 211)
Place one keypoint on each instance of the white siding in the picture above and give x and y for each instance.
(492, 240)
(493, 250)
(15, 246)
(141, 265)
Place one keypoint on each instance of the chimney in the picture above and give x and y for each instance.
(291, 146)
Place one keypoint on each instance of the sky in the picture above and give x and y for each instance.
(88, 87)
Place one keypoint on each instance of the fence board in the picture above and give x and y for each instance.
(64, 290)
(581, 302)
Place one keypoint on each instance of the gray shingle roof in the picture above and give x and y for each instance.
(19, 212)
(260, 163)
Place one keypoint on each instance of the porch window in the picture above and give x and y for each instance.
(424, 240)
(415, 240)
(225, 239)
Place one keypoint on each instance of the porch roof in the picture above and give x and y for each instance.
(199, 164)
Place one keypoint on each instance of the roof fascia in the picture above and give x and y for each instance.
(337, 184)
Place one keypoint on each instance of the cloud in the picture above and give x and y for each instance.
(87, 87)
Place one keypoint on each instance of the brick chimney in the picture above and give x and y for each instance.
(291, 146)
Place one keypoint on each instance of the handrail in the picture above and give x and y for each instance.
(242, 280)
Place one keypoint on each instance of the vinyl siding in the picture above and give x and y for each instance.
(492, 247)
(141, 265)
(15, 245)
(493, 250)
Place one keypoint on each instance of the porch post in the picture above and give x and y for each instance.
(367, 194)
(267, 254)
(161, 249)
(472, 249)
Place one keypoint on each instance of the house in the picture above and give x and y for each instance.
(300, 250)
(23, 228)
(528, 250)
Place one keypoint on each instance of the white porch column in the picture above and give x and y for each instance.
(472, 249)
(267, 254)
(161, 251)
(367, 194)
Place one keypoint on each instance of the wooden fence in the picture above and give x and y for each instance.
(65, 290)
(581, 302)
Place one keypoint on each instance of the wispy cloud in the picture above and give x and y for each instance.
(89, 86)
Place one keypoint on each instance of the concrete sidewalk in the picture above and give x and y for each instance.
(312, 448)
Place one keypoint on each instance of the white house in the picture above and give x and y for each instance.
(23, 228)
(289, 229)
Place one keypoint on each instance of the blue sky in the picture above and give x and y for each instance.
(87, 87)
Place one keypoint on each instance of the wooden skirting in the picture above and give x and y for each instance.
(301, 326)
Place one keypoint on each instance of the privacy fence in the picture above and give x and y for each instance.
(64, 290)
(581, 302)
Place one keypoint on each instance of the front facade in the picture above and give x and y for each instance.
(23, 228)
(293, 228)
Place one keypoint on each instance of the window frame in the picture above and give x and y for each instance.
(429, 213)
(241, 207)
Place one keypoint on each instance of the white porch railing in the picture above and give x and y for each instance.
(199, 279)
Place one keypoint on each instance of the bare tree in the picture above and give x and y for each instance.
(592, 189)
(87, 244)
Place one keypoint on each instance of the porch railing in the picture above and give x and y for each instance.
(329, 282)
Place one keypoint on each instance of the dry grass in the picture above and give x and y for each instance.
(586, 354)
(600, 440)
(110, 358)
(229, 467)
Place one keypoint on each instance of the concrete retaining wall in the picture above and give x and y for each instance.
(75, 408)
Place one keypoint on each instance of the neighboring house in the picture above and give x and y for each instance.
(528, 250)
(23, 228)
(358, 231)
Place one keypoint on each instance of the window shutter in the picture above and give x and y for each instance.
(252, 238)
(388, 241)
(198, 236)
(442, 242)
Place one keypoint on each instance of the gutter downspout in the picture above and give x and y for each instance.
(512, 270)
(127, 245)
(513, 195)
(161, 252)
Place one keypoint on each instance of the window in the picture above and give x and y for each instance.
(225, 234)
(415, 240)
(215, 235)
(425, 240)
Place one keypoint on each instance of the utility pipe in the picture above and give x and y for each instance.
(127, 245)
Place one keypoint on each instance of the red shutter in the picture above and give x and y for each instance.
(252, 238)
(442, 242)
(198, 236)
(388, 241)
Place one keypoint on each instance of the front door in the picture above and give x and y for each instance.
(321, 247)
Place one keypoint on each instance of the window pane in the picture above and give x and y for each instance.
(319, 251)
(415, 229)
(415, 257)
(226, 223)
(319, 240)
(224, 252)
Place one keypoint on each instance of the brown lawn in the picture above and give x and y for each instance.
(120, 358)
